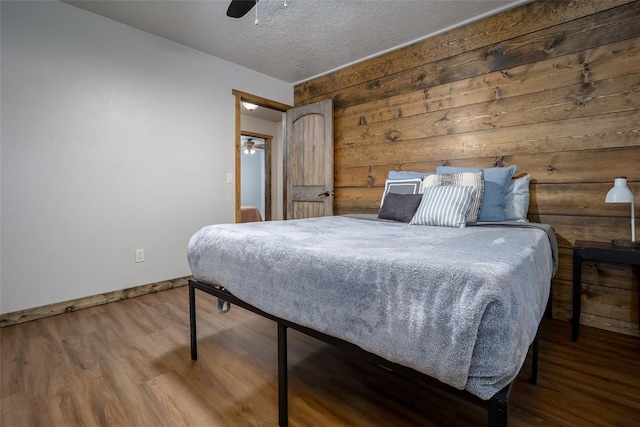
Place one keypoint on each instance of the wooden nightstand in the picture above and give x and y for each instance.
(597, 251)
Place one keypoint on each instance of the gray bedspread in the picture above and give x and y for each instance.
(460, 305)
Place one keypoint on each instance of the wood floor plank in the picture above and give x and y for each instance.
(128, 363)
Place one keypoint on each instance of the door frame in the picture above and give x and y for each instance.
(261, 102)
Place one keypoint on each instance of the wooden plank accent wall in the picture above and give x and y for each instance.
(550, 86)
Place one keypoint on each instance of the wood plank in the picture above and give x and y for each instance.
(585, 33)
(612, 325)
(578, 199)
(555, 199)
(346, 210)
(609, 131)
(604, 301)
(545, 168)
(528, 18)
(618, 276)
(601, 307)
(418, 130)
(580, 100)
(568, 228)
(567, 70)
(571, 228)
(569, 166)
(359, 197)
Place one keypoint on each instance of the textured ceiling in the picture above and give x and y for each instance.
(306, 39)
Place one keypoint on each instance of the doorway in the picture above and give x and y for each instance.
(272, 164)
(255, 184)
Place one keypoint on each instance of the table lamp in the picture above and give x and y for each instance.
(620, 193)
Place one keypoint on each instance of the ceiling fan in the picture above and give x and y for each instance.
(239, 8)
(250, 146)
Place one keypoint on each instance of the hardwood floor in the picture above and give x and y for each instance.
(128, 364)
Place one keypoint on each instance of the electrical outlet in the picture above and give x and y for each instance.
(139, 255)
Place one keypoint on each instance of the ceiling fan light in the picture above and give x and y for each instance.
(249, 146)
(249, 106)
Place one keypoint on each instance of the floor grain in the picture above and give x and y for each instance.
(128, 363)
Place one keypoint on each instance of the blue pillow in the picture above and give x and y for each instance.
(496, 182)
(406, 175)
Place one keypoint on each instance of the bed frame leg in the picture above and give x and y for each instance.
(498, 409)
(192, 322)
(283, 398)
(534, 360)
(548, 313)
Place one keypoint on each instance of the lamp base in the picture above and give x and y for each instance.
(626, 243)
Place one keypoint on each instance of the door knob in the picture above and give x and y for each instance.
(325, 194)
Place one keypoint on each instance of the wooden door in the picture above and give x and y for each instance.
(309, 161)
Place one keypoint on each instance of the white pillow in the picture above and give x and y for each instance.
(445, 206)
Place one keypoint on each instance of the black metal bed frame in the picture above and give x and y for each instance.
(497, 407)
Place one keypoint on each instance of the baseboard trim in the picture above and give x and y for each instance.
(29, 314)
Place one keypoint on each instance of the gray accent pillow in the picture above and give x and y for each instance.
(399, 207)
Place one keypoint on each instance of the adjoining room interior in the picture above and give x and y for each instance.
(253, 173)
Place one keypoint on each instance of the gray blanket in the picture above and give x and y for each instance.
(460, 305)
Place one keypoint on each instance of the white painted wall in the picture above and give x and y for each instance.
(112, 139)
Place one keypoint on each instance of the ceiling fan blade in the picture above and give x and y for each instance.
(239, 8)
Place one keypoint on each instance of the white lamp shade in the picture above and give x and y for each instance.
(620, 193)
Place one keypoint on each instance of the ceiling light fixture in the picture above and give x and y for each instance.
(249, 106)
(249, 147)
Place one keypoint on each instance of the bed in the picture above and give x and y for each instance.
(461, 305)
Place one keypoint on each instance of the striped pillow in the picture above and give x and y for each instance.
(473, 179)
(445, 206)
